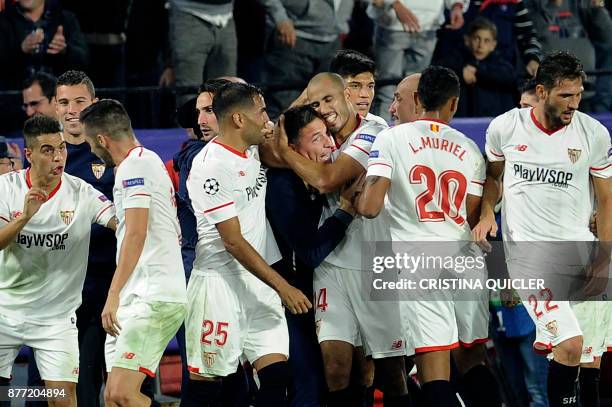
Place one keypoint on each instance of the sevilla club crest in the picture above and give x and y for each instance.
(573, 154)
(67, 216)
(98, 170)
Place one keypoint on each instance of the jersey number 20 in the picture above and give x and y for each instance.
(448, 189)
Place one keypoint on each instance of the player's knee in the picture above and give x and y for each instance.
(337, 373)
(274, 375)
(569, 351)
(467, 358)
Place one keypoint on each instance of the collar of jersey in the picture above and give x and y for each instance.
(29, 184)
(541, 127)
(231, 149)
(359, 120)
(425, 119)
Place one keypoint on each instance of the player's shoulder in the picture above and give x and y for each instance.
(505, 123)
(377, 119)
(13, 178)
(370, 128)
(592, 126)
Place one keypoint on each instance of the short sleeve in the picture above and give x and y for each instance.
(360, 148)
(5, 211)
(102, 208)
(134, 178)
(380, 162)
(600, 162)
(493, 144)
(478, 175)
(210, 188)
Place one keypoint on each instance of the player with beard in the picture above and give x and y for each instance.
(45, 228)
(341, 311)
(554, 136)
(294, 211)
(145, 304)
(234, 295)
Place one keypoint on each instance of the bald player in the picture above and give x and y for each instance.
(405, 107)
(341, 311)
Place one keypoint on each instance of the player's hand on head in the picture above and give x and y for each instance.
(280, 135)
(110, 323)
(294, 299)
(34, 199)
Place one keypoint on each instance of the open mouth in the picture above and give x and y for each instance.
(331, 118)
(58, 170)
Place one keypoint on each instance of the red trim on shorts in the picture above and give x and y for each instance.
(609, 349)
(474, 342)
(478, 183)
(146, 371)
(371, 165)
(426, 349)
(103, 210)
(219, 207)
(193, 369)
(601, 168)
(29, 184)
(360, 149)
(547, 348)
(495, 154)
(139, 195)
(231, 149)
(541, 127)
(4, 219)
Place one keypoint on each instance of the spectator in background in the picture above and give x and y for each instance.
(203, 38)
(38, 94)
(514, 28)
(487, 79)
(358, 71)
(36, 35)
(405, 38)
(6, 157)
(103, 23)
(300, 40)
(582, 27)
(528, 94)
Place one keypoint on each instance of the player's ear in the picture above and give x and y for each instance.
(541, 92)
(454, 102)
(417, 103)
(238, 120)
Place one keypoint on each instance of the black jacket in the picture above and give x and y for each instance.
(16, 66)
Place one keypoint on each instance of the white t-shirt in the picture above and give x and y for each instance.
(142, 181)
(224, 183)
(373, 118)
(43, 270)
(547, 174)
(349, 251)
(432, 168)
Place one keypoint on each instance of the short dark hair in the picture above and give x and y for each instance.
(46, 82)
(348, 62)
(296, 119)
(558, 66)
(436, 86)
(108, 117)
(73, 78)
(482, 23)
(529, 86)
(232, 95)
(38, 125)
(212, 86)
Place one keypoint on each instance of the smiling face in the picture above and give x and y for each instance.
(361, 91)
(314, 142)
(331, 102)
(48, 155)
(71, 101)
(560, 102)
(35, 102)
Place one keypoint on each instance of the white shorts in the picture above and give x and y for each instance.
(146, 330)
(56, 347)
(343, 313)
(444, 325)
(229, 315)
(594, 320)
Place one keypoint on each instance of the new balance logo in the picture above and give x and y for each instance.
(399, 344)
(521, 147)
(128, 355)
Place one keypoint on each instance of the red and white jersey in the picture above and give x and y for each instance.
(142, 181)
(225, 183)
(432, 168)
(547, 174)
(358, 145)
(42, 271)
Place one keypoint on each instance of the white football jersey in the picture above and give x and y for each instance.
(547, 174)
(373, 118)
(142, 181)
(432, 168)
(224, 183)
(42, 271)
(348, 253)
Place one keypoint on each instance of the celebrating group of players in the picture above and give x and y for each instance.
(420, 180)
